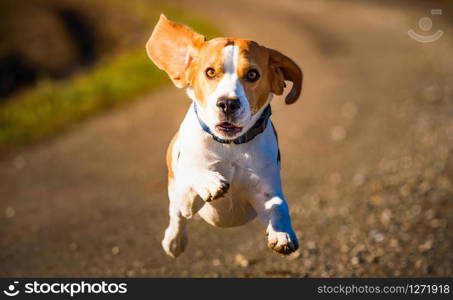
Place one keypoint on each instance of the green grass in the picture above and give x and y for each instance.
(54, 105)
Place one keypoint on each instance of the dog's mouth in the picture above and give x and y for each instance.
(228, 128)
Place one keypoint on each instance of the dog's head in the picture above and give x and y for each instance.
(231, 80)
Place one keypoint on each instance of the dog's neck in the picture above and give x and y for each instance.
(257, 128)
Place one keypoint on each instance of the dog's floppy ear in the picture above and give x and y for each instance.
(172, 47)
(284, 68)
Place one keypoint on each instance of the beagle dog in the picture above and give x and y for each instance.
(224, 162)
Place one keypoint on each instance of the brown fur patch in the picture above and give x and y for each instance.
(251, 56)
(185, 56)
(169, 157)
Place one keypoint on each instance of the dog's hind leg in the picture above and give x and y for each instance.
(183, 204)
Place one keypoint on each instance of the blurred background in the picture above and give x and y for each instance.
(367, 152)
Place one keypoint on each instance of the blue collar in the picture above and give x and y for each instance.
(257, 128)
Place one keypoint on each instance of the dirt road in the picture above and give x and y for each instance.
(367, 161)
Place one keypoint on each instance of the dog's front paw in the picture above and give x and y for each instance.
(174, 243)
(212, 186)
(282, 242)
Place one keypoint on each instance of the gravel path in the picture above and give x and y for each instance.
(367, 161)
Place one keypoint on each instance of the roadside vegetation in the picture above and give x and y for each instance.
(117, 71)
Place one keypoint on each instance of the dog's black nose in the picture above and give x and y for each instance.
(228, 105)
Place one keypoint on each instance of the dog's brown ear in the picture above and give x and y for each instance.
(284, 68)
(172, 47)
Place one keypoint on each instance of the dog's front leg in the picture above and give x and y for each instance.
(184, 202)
(273, 213)
(194, 187)
(209, 185)
(188, 193)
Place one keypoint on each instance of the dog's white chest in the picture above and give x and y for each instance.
(234, 208)
(245, 167)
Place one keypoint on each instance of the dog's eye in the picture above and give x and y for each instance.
(210, 73)
(252, 75)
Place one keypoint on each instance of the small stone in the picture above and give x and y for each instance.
(115, 250)
(386, 216)
(216, 262)
(435, 223)
(241, 261)
(344, 248)
(10, 212)
(405, 190)
(424, 187)
(377, 235)
(419, 264)
(338, 133)
(311, 245)
(426, 246)
(355, 260)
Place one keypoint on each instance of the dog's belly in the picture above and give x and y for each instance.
(233, 209)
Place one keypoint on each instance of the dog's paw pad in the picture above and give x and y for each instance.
(282, 242)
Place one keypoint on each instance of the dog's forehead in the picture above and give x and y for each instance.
(248, 51)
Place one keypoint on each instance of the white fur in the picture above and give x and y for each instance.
(202, 167)
(229, 86)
